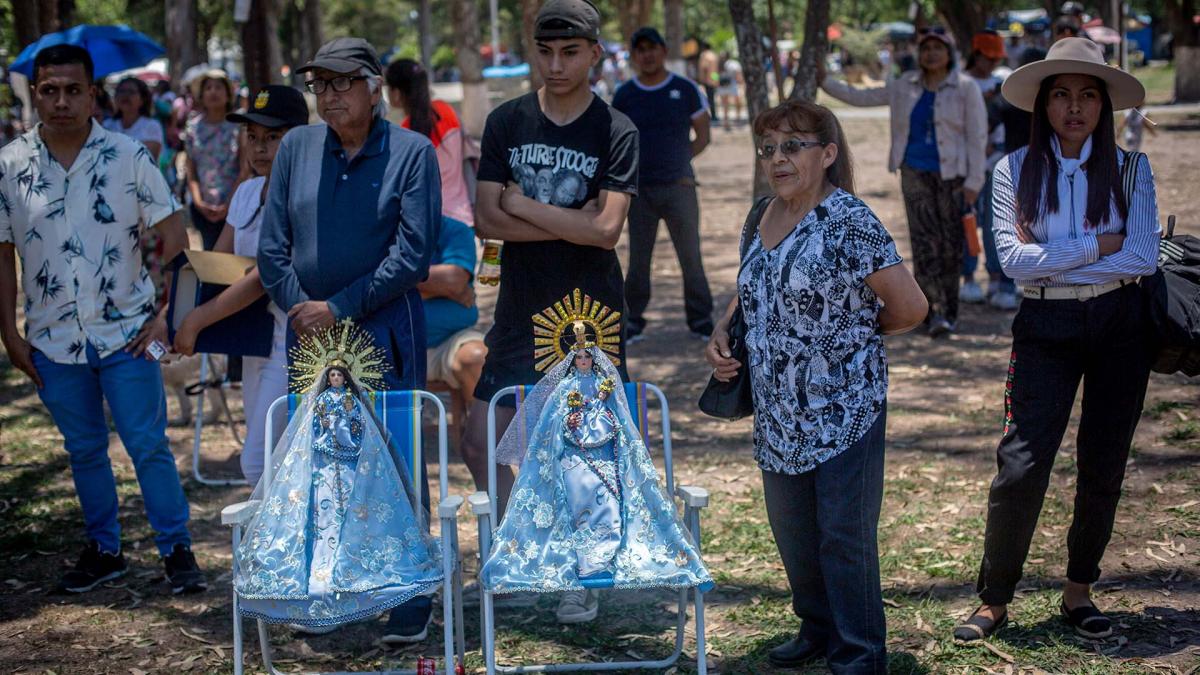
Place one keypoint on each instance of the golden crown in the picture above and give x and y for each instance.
(342, 345)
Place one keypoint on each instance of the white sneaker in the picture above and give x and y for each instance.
(1006, 300)
(578, 606)
(970, 293)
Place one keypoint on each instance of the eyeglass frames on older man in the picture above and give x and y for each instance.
(789, 147)
(340, 84)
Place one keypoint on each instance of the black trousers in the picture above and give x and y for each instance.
(934, 209)
(678, 206)
(825, 523)
(1057, 343)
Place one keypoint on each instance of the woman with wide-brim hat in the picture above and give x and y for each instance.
(1067, 233)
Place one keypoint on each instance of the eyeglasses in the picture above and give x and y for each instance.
(340, 83)
(789, 147)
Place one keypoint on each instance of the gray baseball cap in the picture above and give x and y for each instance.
(345, 55)
(559, 19)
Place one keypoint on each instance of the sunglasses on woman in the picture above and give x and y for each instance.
(789, 147)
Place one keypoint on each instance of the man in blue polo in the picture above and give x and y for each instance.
(666, 108)
(349, 226)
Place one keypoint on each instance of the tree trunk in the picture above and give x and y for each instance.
(66, 14)
(1187, 74)
(529, 10)
(751, 56)
(465, 16)
(425, 33)
(183, 46)
(47, 16)
(962, 19)
(314, 36)
(673, 24)
(261, 54)
(813, 51)
(25, 23)
(1186, 46)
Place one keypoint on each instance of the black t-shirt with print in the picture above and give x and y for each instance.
(565, 166)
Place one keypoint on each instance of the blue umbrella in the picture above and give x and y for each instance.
(113, 48)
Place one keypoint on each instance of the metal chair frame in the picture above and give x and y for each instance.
(237, 515)
(197, 429)
(483, 505)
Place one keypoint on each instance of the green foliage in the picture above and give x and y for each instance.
(443, 56)
(862, 45)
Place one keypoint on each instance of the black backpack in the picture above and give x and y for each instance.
(1173, 300)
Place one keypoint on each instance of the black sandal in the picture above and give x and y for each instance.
(1087, 621)
(978, 627)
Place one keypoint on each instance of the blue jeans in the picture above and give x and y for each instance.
(74, 395)
(983, 211)
(825, 523)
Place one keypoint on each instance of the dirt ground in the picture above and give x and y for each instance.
(944, 419)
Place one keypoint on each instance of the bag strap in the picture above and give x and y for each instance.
(750, 228)
(1129, 176)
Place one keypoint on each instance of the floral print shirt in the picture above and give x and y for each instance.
(214, 150)
(78, 233)
(818, 369)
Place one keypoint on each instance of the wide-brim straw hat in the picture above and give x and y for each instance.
(1072, 56)
(197, 82)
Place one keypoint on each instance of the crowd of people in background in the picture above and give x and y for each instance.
(558, 175)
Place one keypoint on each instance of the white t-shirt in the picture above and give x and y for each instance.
(144, 130)
(245, 217)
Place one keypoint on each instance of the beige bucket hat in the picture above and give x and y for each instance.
(1072, 56)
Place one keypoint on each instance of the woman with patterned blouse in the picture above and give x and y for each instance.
(213, 157)
(820, 282)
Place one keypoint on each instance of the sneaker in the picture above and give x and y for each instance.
(93, 568)
(578, 606)
(406, 625)
(633, 335)
(939, 326)
(971, 293)
(701, 335)
(1006, 300)
(183, 573)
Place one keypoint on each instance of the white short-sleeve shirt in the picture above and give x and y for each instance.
(245, 217)
(78, 232)
(145, 129)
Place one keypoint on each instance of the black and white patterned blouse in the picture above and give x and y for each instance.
(817, 363)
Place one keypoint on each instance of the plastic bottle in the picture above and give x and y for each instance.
(489, 263)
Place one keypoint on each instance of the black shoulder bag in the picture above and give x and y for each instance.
(733, 400)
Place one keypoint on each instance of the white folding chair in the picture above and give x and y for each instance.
(483, 505)
(198, 430)
(400, 412)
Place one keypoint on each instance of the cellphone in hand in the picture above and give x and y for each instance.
(156, 350)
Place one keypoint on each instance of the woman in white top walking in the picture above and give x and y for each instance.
(1076, 230)
(274, 111)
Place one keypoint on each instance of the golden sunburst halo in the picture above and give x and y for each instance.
(343, 344)
(553, 324)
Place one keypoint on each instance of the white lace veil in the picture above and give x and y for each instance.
(515, 442)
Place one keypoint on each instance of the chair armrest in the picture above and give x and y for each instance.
(481, 505)
(237, 514)
(692, 496)
(448, 508)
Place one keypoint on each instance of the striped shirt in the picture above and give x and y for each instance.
(1075, 260)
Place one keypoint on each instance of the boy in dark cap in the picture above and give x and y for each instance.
(558, 258)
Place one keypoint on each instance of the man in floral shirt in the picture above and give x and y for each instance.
(74, 200)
